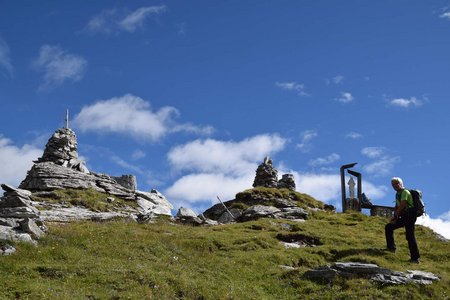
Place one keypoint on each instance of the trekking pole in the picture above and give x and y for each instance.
(226, 208)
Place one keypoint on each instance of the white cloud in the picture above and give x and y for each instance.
(135, 19)
(353, 135)
(113, 20)
(104, 22)
(405, 103)
(293, 86)
(5, 60)
(445, 15)
(15, 161)
(226, 157)
(191, 189)
(218, 168)
(133, 116)
(346, 97)
(441, 225)
(373, 152)
(382, 167)
(306, 137)
(338, 79)
(321, 161)
(59, 66)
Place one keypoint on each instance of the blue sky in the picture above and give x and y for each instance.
(191, 95)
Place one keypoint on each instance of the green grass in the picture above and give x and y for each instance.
(89, 198)
(256, 194)
(122, 260)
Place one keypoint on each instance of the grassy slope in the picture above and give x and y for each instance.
(120, 260)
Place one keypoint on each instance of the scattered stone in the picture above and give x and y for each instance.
(298, 240)
(110, 199)
(7, 250)
(29, 226)
(370, 271)
(186, 213)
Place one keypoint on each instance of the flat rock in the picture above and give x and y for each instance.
(370, 271)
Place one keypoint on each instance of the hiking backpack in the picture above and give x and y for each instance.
(419, 206)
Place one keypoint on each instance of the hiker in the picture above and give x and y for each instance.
(404, 215)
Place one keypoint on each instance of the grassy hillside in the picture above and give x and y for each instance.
(123, 260)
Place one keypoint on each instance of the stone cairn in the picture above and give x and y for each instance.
(61, 149)
(267, 176)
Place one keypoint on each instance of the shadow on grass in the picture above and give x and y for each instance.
(339, 254)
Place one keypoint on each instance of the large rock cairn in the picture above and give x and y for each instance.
(61, 149)
(60, 168)
(267, 176)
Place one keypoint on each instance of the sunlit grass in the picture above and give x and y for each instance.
(123, 260)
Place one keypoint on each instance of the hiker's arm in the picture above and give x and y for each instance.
(399, 209)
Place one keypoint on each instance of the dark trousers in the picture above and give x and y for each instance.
(408, 219)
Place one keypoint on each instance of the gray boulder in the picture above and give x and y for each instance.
(29, 226)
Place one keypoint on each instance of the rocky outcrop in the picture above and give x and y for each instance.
(370, 271)
(47, 176)
(255, 207)
(60, 168)
(18, 216)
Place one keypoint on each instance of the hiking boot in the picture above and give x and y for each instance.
(391, 250)
(414, 261)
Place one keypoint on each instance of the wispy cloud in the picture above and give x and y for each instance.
(382, 166)
(445, 15)
(15, 161)
(293, 86)
(137, 154)
(114, 20)
(306, 137)
(345, 97)
(338, 79)
(406, 103)
(373, 152)
(353, 135)
(59, 66)
(131, 115)
(322, 161)
(5, 60)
